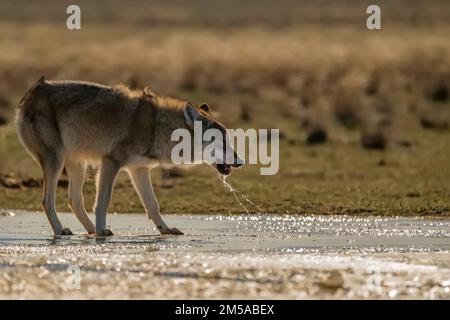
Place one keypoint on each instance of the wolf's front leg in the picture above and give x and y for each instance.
(105, 183)
(143, 185)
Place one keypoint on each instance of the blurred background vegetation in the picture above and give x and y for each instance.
(363, 115)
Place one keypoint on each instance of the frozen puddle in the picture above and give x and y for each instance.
(244, 233)
(236, 256)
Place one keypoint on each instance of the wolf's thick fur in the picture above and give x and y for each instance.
(71, 123)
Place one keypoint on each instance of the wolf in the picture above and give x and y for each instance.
(72, 124)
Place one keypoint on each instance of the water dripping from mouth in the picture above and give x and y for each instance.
(237, 193)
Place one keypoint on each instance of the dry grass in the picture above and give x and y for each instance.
(340, 71)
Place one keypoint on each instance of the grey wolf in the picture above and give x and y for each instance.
(70, 124)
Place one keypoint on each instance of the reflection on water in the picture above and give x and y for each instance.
(235, 256)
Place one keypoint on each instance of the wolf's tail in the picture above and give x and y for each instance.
(35, 123)
(28, 97)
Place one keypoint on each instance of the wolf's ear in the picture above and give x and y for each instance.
(191, 114)
(205, 108)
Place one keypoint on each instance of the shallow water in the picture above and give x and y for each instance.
(236, 256)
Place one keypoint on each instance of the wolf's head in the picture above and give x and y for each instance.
(215, 143)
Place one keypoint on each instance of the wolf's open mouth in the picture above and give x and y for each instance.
(223, 169)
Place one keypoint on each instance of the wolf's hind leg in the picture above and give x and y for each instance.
(105, 183)
(143, 185)
(76, 172)
(52, 166)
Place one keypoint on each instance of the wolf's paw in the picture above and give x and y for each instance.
(172, 231)
(65, 232)
(104, 233)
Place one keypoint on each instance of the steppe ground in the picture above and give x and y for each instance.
(305, 67)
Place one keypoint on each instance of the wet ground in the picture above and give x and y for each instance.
(242, 257)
